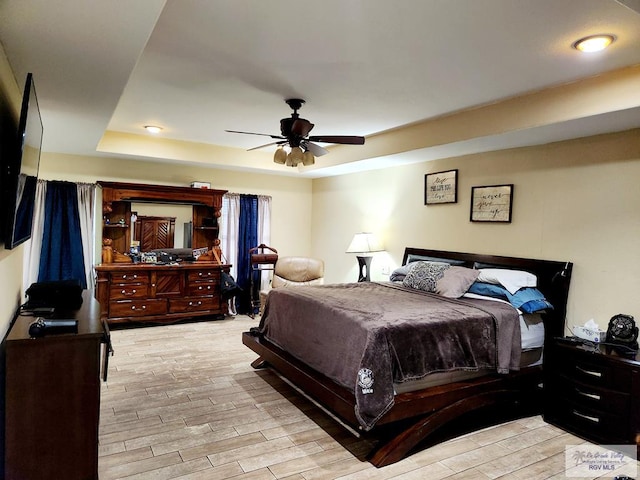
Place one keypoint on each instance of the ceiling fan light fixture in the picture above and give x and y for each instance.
(308, 158)
(594, 43)
(280, 156)
(295, 157)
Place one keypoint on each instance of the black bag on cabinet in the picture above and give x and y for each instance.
(61, 294)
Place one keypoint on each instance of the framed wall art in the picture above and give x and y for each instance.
(441, 187)
(491, 203)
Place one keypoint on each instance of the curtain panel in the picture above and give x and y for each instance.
(240, 230)
(61, 245)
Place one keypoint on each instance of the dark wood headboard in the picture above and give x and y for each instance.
(553, 278)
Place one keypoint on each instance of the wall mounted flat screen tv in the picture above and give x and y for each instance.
(21, 170)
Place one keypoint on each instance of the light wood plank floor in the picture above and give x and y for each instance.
(182, 401)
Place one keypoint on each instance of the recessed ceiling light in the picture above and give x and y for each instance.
(593, 43)
(153, 128)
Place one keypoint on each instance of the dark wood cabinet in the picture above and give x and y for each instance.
(593, 392)
(53, 398)
(154, 232)
(159, 293)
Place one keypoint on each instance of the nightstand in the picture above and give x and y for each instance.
(593, 392)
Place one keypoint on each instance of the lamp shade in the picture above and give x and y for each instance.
(364, 243)
(308, 158)
(294, 157)
(280, 156)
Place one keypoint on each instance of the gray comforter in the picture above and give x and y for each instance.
(366, 336)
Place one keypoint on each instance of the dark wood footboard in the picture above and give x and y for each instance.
(416, 417)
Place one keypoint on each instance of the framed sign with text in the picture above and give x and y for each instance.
(441, 187)
(491, 203)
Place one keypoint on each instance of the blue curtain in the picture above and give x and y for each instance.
(247, 239)
(61, 257)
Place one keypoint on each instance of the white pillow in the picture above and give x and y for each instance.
(512, 280)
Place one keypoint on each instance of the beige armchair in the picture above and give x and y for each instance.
(293, 272)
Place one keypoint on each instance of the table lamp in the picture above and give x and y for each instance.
(364, 243)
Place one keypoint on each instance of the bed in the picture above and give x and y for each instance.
(418, 366)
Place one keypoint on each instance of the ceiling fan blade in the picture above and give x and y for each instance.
(281, 142)
(344, 139)
(317, 150)
(261, 134)
(301, 127)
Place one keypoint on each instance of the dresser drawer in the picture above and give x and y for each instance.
(137, 308)
(130, 277)
(203, 288)
(128, 290)
(193, 304)
(199, 275)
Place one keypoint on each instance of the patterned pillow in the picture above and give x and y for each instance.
(425, 275)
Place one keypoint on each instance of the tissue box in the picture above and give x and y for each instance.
(589, 334)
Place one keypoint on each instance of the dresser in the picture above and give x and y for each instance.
(593, 392)
(53, 397)
(159, 293)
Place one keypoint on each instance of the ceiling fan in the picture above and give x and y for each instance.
(295, 132)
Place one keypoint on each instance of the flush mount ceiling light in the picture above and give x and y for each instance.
(594, 43)
(153, 129)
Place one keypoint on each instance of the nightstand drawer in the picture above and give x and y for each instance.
(590, 371)
(595, 424)
(584, 394)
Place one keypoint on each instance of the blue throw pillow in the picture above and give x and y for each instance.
(527, 300)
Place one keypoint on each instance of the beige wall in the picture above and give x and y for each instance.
(577, 201)
(10, 260)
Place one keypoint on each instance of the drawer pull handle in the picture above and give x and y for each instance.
(594, 396)
(593, 373)
(133, 307)
(586, 417)
(124, 291)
